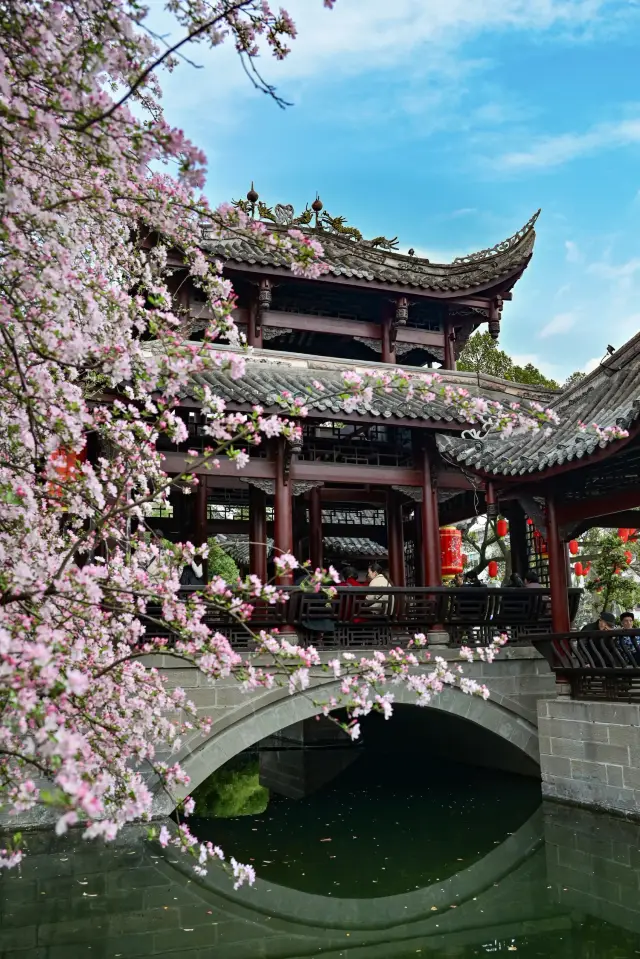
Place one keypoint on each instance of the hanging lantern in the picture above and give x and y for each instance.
(465, 559)
(574, 547)
(493, 568)
(623, 534)
(628, 555)
(617, 572)
(502, 528)
(529, 521)
(65, 463)
(451, 550)
(587, 569)
(578, 569)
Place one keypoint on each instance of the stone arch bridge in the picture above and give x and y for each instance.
(505, 725)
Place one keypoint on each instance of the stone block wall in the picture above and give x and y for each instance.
(593, 865)
(590, 753)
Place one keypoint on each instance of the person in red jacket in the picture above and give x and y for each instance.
(349, 577)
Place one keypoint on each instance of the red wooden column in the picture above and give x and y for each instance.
(258, 533)
(557, 572)
(201, 519)
(430, 527)
(395, 538)
(388, 347)
(315, 528)
(283, 518)
(449, 362)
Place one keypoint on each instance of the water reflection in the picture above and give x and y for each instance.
(564, 885)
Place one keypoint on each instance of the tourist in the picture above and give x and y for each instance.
(627, 621)
(472, 579)
(604, 622)
(515, 581)
(458, 580)
(531, 579)
(349, 577)
(629, 646)
(376, 577)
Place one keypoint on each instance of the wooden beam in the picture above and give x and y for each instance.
(352, 474)
(595, 506)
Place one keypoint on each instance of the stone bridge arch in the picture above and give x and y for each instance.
(242, 720)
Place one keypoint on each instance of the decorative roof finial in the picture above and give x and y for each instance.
(253, 197)
(316, 206)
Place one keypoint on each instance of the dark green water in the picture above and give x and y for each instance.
(396, 859)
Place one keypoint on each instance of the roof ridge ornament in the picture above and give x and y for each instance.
(504, 246)
(284, 215)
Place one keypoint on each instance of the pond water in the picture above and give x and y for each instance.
(394, 858)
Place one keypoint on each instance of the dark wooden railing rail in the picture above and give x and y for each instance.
(377, 618)
(600, 665)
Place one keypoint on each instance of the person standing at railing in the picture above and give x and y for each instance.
(630, 645)
(605, 621)
(349, 577)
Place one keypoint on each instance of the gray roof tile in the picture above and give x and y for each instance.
(359, 259)
(609, 396)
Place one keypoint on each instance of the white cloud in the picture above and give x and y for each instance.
(609, 271)
(591, 365)
(572, 252)
(555, 150)
(561, 323)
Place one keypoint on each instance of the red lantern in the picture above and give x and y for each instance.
(493, 568)
(502, 527)
(623, 534)
(573, 547)
(617, 572)
(465, 559)
(66, 466)
(628, 555)
(587, 569)
(451, 550)
(529, 522)
(578, 569)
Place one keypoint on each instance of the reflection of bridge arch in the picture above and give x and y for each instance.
(492, 898)
(268, 718)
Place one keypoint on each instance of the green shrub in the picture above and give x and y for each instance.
(220, 563)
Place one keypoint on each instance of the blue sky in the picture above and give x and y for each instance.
(448, 123)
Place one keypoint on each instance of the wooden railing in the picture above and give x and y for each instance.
(596, 665)
(362, 617)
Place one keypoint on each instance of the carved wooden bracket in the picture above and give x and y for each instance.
(495, 311)
(265, 296)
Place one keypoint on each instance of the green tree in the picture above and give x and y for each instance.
(612, 578)
(481, 355)
(220, 563)
(573, 379)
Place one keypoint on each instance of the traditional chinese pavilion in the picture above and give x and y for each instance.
(369, 485)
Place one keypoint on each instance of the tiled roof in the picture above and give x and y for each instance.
(236, 545)
(609, 396)
(360, 260)
(269, 373)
